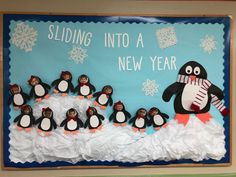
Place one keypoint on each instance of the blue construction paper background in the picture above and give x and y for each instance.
(49, 57)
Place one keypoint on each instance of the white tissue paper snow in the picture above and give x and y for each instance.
(196, 141)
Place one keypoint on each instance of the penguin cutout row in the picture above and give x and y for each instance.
(194, 94)
(46, 123)
(63, 85)
(26, 120)
(140, 121)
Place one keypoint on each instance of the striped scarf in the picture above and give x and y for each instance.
(202, 93)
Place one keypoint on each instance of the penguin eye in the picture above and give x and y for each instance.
(188, 70)
(196, 70)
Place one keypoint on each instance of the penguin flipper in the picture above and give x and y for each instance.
(127, 114)
(63, 123)
(132, 120)
(110, 101)
(86, 123)
(55, 82)
(96, 94)
(17, 118)
(216, 91)
(164, 115)
(38, 120)
(54, 124)
(10, 99)
(93, 88)
(170, 91)
(111, 116)
(80, 123)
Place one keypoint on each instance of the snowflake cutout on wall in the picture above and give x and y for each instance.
(24, 36)
(150, 87)
(166, 37)
(208, 44)
(78, 54)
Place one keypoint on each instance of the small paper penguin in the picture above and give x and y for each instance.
(26, 119)
(157, 118)
(39, 89)
(46, 122)
(18, 98)
(84, 87)
(119, 115)
(64, 84)
(103, 98)
(140, 120)
(72, 123)
(94, 121)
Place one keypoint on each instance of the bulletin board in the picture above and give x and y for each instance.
(176, 66)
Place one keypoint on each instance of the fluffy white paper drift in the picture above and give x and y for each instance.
(196, 141)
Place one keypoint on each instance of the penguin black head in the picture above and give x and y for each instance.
(34, 80)
(107, 89)
(193, 70)
(153, 111)
(66, 75)
(47, 112)
(118, 106)
(83, 79)
(141, 112)
(14, 89)
(72, 112)
(91, 111)
(26, 109)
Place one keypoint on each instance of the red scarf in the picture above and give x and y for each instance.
(71, 118)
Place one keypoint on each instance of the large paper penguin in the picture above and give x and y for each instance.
(26, 119)
(119, 115)
(194, 93)
(140, 120)
(72, 123)
(103, 98)
(18, 98)
(157, 118)
(84, 87)
(94, 121)
(64, 84)
(46, 122)
(39, 89)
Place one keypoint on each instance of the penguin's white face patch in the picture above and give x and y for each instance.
(188, 96)
(103, 99)
(39, 90)
(72, 125)
(45, 124)
(120, 116)
(63, 85)
(18, 99)
(139, 123)
(25, 121)
(94, 122)
(158, 120)
(84, 90)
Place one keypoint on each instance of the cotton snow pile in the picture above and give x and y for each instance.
(196, 141)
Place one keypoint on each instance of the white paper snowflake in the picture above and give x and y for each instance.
(208, 44)
(24, 36)
(166, 37)
(150, 87)
(78, 54)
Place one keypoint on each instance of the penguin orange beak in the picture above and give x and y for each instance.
(192, 77)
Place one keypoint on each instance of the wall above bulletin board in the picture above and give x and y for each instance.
(113, 91)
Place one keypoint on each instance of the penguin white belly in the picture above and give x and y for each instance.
(94, 122)
(158, 120)
(139, 122)
(25, 121)
(84, 90)
(188, 96)
(103, 99)
(39, 90)
(72, 125)
(46, 123)
(120, 116)
(63, 85)
(18, 99)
